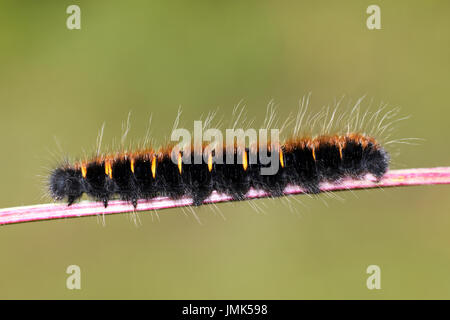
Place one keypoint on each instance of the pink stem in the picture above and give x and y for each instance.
(394, 178)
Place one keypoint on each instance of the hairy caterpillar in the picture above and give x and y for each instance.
(303, 161)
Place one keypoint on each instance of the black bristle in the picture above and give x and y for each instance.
(302, 166)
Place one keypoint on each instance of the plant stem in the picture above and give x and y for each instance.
(393, 178)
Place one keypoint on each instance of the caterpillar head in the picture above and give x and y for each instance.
(66, 183)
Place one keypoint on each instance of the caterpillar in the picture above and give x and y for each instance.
(148, 173)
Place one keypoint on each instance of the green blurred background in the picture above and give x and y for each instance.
(152, 57)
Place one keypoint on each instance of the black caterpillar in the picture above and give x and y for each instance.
(305, 162)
